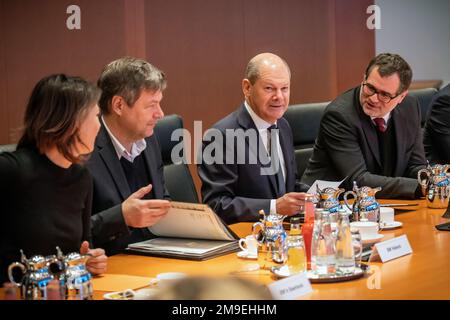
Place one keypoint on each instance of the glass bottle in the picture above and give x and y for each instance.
(308, 226)
(10, 291)
(345, 256)
(324, 254)
(315, 235)
(357, 246)
(54, 290)
(296, 260)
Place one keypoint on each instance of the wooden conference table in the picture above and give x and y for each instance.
(423, 275)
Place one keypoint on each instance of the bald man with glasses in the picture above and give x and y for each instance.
(371, 134)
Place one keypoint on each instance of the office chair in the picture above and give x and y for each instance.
(177, 177)
(424, 96)
(7, 147)
(304, 120)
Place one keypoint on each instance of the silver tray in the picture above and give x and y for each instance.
(283, 272)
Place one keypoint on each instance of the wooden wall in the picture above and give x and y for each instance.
(35, 42)
(202, 45)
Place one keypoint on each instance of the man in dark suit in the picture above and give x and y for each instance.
(248, 159)
(126, 164)
(437, 128)
(371, 134)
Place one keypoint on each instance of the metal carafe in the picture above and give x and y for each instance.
(271, 236)
(328, 199)
(435, 183)
(77, 278)
(34, 276)
(365, 205)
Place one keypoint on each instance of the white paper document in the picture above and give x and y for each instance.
(188, 231)
(324, 184)
(191, 220)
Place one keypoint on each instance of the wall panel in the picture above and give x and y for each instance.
(302, 33)
(202, 45)
(37, 42)
(355, 43)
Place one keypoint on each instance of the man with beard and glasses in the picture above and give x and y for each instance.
(371, 134)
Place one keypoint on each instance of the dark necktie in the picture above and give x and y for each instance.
(381, 124)
(272, 149)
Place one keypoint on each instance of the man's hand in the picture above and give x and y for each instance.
(97, 263)
(140, 213)
(290, 203)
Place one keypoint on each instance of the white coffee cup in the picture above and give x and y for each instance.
(367, 229)
(166, 278)
(249, 245)
(386, 216)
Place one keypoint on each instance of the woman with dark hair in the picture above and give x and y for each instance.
(45, 192)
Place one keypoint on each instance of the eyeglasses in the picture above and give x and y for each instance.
(370, 90)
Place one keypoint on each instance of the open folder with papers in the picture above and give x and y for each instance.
(188, 231)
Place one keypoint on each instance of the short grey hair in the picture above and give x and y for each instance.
(127, 77)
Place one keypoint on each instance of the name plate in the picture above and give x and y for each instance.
(290, 288)
(393, 249)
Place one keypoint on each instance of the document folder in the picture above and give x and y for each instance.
(188, 231)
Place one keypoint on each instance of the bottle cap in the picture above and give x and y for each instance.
(295, 220)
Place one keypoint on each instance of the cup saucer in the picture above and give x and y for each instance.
(245, 255)
(372, 238)
(390, 225)
(127, 294)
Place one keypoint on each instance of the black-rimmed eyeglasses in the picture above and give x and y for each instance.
(370, 90)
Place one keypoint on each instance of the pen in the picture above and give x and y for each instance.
(399, 204)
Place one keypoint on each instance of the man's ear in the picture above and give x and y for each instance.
(246, 87)
(402, 96)
(117, 105)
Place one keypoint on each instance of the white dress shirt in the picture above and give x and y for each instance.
(136, 148)
(262, 126)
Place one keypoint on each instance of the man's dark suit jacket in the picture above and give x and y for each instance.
(437, 128)
(347, 147)
(237, 192)
(111, 188)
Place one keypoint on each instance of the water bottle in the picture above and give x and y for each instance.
(324, 254)
(357, 247)
(315, 235)
(345, 256)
